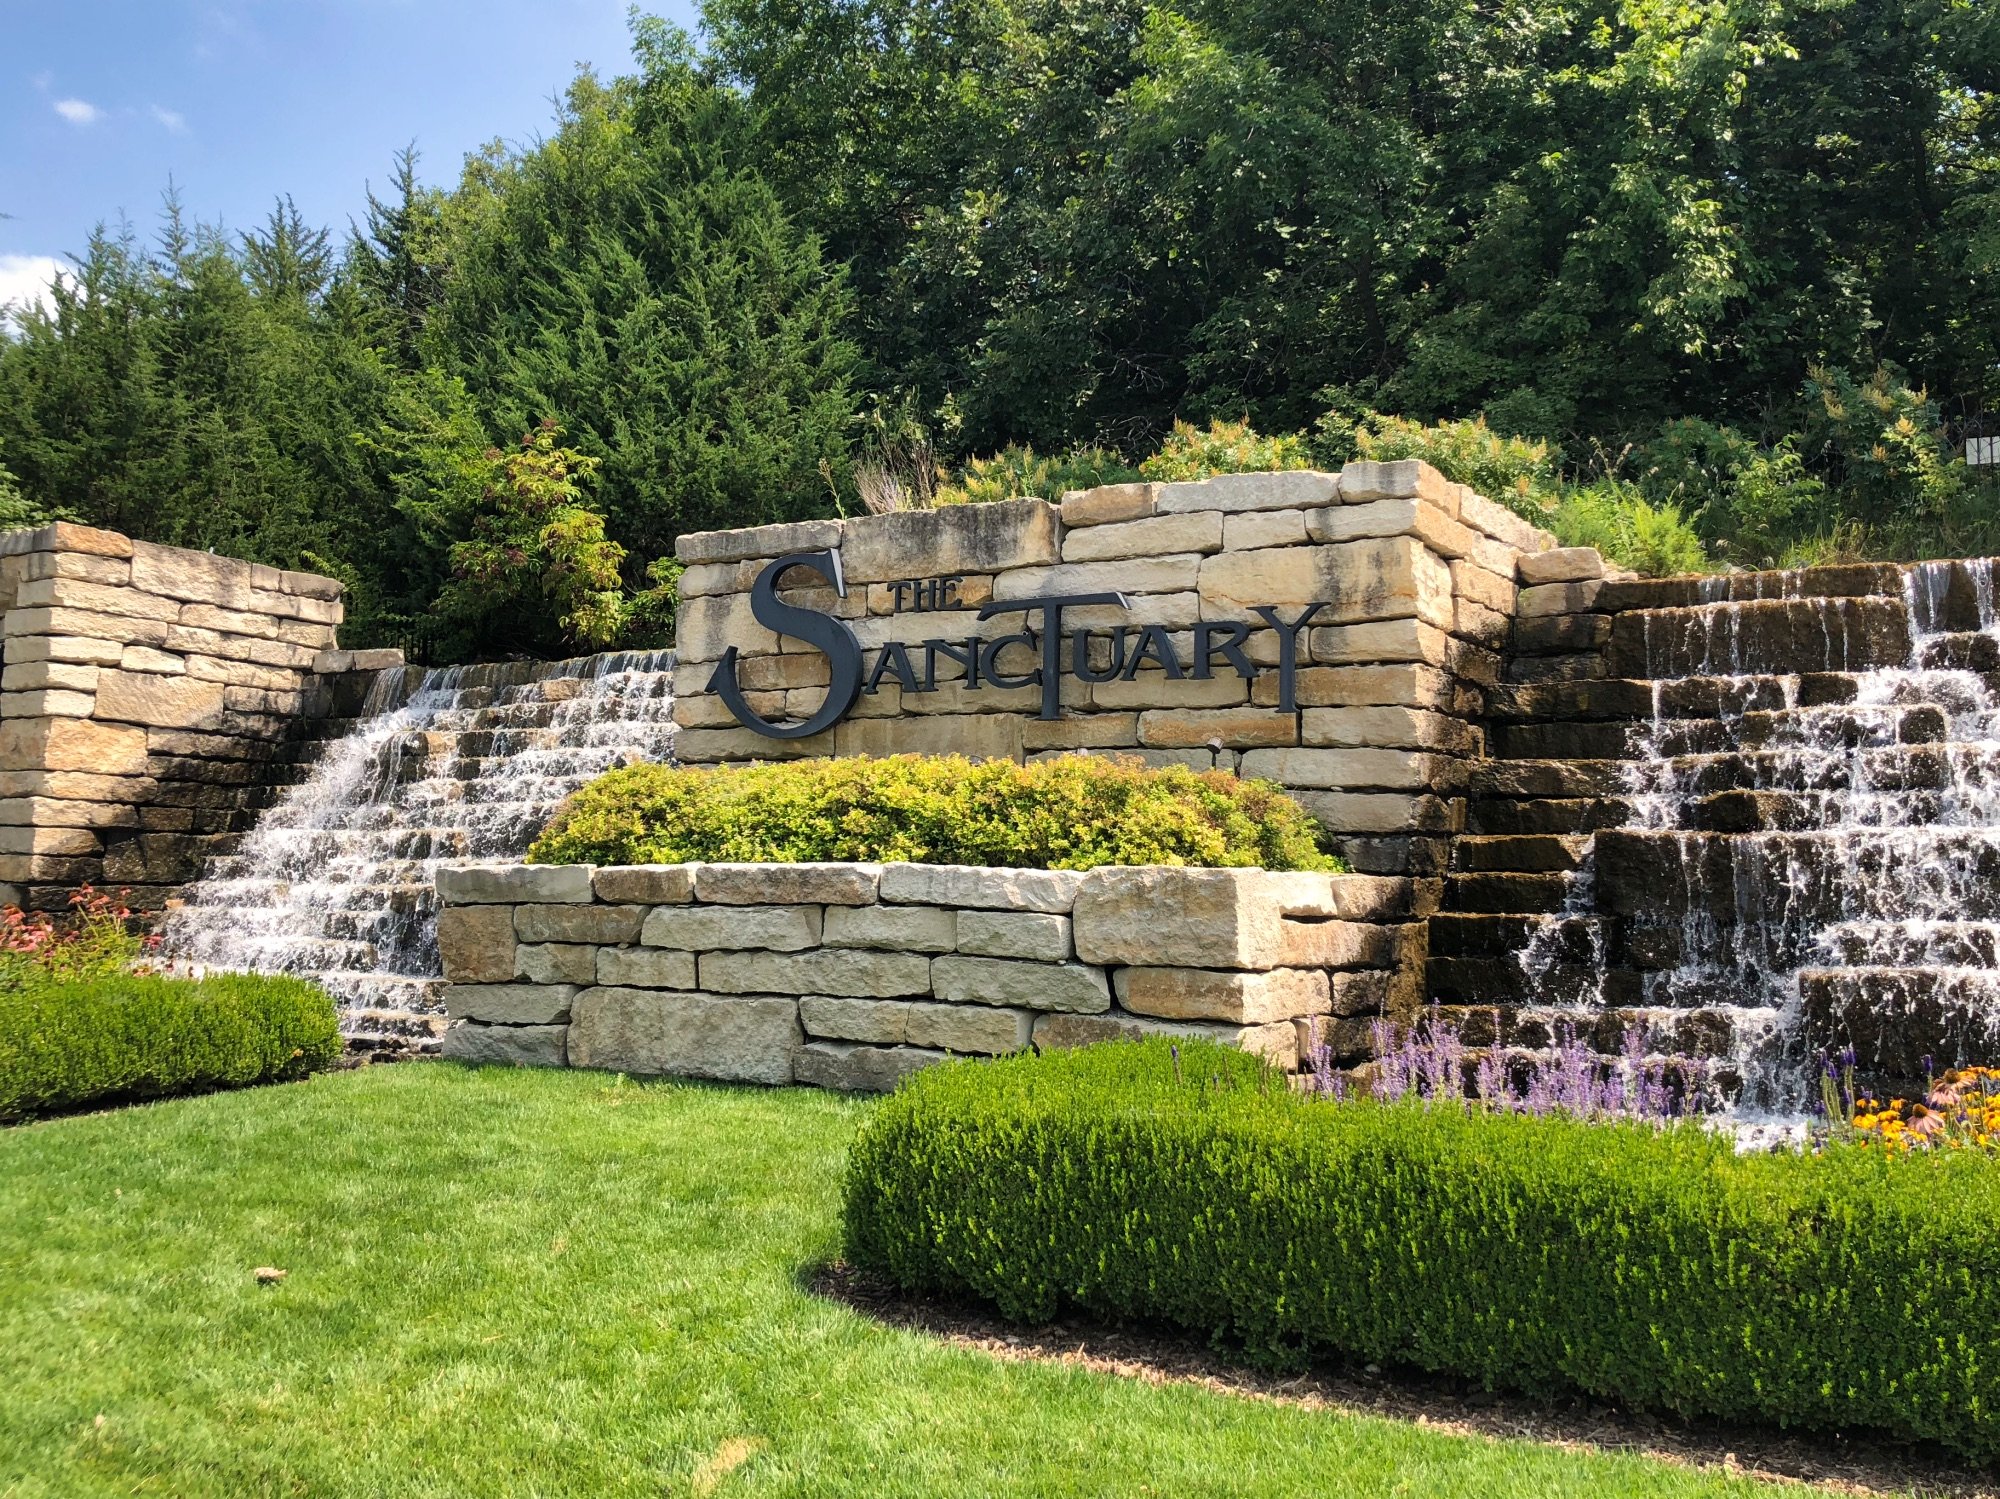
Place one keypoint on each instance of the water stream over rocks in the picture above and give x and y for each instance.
(1808, 851)
(335, 881)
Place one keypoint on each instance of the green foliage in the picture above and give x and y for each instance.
(651, 612)
(17, 511)
(1654, 541)
(1075, 812)
(1654, 1267)
(1225, 448)
(1019, 472)
(123, 1036)
(635, 277)
(1518, 472)
(95, 940)
(537, 556)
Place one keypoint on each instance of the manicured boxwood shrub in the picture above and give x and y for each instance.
(1076, 812)
(1655, 1267)
(129, 1036)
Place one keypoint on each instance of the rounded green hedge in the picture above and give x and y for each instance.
(130, 1036)
(1075, 812)
(1655, 1267)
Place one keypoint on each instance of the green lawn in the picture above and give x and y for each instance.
(522, 1283)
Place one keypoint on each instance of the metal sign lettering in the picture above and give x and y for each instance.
(1125, 649)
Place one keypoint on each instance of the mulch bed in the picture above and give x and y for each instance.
(1837, 1463)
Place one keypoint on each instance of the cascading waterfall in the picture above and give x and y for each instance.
(335, 881)
(1838, 854)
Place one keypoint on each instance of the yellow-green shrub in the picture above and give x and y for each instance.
(1076, 812)
(1225, 448)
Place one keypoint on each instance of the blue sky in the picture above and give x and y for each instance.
(101, 101)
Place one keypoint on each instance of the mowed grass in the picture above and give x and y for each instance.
(549, 1283)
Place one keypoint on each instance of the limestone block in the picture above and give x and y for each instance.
(976, 1030)
(970, 886)
(1384, 640)
(144, 658)
(1253, 529)
(1556, 598)
(1160, 536)
(1339, 769)
(1471, 581)
(46, 704)
(1206, 994)
(228, 621)
(319, 637)
(708, 578)
(169, 702)
(781, 673)
(927, 929)
(955, 539)
(58, 840)
(1034, 935)
(101, 598)
(1298, 489)
(1473, 621)
(849, 1068)
(115, 570)
(1385, 578)
(1108, 504)
(493, 884)
(1179, 694)
(1175, 573)
(305, 585)
(126, 629)
(197, 577)
(988, 736)
(1358, 522)
(577, 922)
(557, 962)
(1361, 991)
(757, 541)
(238, 647)
(1501, 524)
(1081, 731)
(48, 812)
(1561, 565)
(884, 1022)
(1228, 728)
(1162, 915)
(1375, 897)
(72, 744)
(67, 536)
(1364, 480)
(787, 884)
(477, 943)
(645, 967)
(243, 674)
(1338, 944)
(707, 627)
(707, 928)
(505, 1045)
(1277, 1042)
(1399, 684)
(651, 1031)
(46, 676)
(1075, 987)
(643, 884)
(1381, 812)
(257, 700)
(74, 786)
(1388, 728)
(834, 971)
(1175, 611)
(510, 1004)
(706, 746)
(22, 649)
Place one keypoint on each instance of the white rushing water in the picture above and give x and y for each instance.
(335, 881)
(1865, 876)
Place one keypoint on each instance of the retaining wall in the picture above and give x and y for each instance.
(851, 975)
(1370, 712)
(145, 687)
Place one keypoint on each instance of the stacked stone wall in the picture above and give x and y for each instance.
(851, 975)
(1413, 577)
(145, 690)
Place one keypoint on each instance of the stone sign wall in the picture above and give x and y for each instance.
(144, 688)
(1335, 633)
(850, 975)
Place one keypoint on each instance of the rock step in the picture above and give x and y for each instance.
(1498, 816)
(1895, 1018)
(1525, 853)
(1558, 938)
(1843, 581)
(401, 993)
(1507, 894)
(1710, 1034)
(283, 952)
(1915, 944)
(1761, 637)
(1899, 767)
(1820, 730)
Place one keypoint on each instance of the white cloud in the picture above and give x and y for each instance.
(173, 119)
(78, 111)
(25, 280)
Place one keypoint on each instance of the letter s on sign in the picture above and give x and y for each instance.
(830, 635)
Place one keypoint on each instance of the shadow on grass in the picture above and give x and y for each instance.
(1163, 1356)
